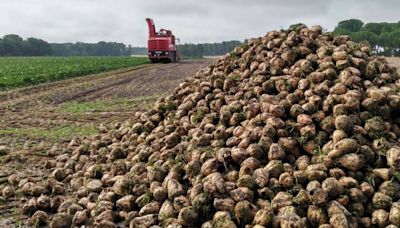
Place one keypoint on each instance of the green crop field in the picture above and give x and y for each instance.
(23, 71)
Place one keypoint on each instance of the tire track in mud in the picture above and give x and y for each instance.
(147, 82)
(21, 96)
(103, 90)
(126, 83)
(30, 90)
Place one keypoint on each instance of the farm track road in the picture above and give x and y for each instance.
(127, 83)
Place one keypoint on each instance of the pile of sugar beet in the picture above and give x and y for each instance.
(298, 128)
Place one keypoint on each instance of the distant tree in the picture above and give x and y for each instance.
(386, 43)
(139, 51)
(37, 47)
(341, 31)
(207, 49)
(394, 42)
(90, 49)
(375, 28)
(191, 50)
(351, 25)
(383, 37)
(2, 50)
(394, 38)
(129, 50)
(13, 45)
(365, 36)
(296, 26)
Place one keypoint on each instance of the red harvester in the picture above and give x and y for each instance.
(161, 45)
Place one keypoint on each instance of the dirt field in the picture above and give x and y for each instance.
(34, 118)
(395, 61)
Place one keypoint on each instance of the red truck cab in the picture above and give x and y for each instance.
(161, 45)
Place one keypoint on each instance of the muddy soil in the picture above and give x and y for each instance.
(395, 61)
(33, 119)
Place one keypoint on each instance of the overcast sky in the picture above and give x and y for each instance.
(194, 21)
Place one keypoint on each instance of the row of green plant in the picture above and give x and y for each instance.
(23, 71)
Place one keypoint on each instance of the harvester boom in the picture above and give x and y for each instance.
(152, 29)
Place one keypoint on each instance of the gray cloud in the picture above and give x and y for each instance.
(194, 21)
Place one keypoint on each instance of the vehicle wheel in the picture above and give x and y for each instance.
(154, 60)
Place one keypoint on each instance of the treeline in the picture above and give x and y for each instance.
(207, 49)
(197, 50)
(14, 45)
(383, 37)
(91, 49)
(139, 51)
